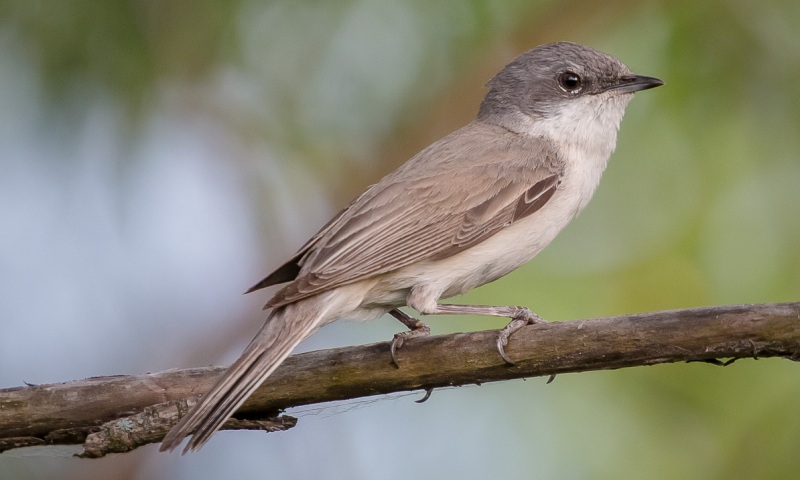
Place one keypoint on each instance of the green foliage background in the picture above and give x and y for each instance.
(305, 103)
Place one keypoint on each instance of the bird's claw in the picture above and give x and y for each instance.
(521, 318)
(419, 330)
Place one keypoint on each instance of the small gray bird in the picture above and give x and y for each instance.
(463, 212)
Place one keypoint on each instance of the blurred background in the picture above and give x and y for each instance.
(158, 158)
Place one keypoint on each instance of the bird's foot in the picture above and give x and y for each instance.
(415, 329)
(520, 317)
(418, 330)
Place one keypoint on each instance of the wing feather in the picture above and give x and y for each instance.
(425, 211)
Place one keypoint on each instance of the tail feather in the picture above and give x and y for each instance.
(284, 329)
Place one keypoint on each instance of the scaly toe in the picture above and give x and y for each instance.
(501, 343)
(399, 339)
(520, 320)
(397, 342)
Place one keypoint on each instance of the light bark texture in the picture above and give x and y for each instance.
(120, 413)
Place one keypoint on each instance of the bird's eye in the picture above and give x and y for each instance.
(570, 81)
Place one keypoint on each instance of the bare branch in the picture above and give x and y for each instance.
(119, 413)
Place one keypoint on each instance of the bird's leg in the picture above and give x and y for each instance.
(415, 329)
(520, 316)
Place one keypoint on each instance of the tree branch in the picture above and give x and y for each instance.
(120, 413)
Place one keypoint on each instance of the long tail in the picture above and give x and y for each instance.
(284, 329)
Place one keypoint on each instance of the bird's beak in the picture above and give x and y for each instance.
(634, 83)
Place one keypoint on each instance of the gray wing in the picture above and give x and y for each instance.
(425, 211)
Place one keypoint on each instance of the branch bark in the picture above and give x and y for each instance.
(120, 413)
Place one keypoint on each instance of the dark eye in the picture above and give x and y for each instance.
(570, 81)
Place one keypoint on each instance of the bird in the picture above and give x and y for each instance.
(465, 211)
